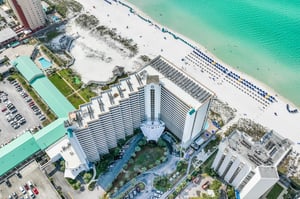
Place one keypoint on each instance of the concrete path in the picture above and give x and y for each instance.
(74, 91)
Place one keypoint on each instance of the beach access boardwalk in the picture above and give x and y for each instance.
(27, 144)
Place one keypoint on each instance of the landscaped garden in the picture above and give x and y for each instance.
(57, 60)
(75, 100)
(59, 80)
(162, 183)
(146, 156)
(87, 93)
(64, 6)
(275, 191)
(70, 76)
(60, 84)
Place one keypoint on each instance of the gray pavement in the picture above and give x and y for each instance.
(33, 173)
(105, 180)
(7, 131)
(69, 193)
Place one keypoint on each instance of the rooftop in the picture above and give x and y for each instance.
(267, 152)
(66, 150)
(54, 99)
(159, 70)
(268, 172)
(7, 34)
(50, 134)
(27, 68)
(152, 79)
(17, 151)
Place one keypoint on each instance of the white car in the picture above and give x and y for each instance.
(22, 190)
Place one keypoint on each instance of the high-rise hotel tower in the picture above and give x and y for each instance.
(156, 97)
(30, 13)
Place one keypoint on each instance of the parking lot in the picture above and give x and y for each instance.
(40, 184)
(15, 113)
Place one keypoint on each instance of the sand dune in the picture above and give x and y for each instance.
(152, 41)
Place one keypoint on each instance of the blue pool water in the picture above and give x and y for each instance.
(55, 19)
(45, 63)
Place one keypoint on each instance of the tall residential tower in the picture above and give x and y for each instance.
(250, 166)
(156, 97)
(30, 13)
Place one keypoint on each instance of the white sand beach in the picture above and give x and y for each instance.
(152, 42)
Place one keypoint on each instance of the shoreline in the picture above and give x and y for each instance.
(249, 101)
(210, 54)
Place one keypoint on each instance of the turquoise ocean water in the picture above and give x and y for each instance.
(260, 38)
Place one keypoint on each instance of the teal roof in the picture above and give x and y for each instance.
(27, 68)
(54, 99)
(51, 133)
(192, 111)
(26, 145)
(48, 92)
(17, 151)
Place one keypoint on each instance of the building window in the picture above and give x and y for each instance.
(152, 98)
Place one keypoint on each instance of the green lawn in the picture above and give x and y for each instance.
(60, 84)
(275, 191)
(87, 94)
(71, 77)
(148, 155)
(75, 100)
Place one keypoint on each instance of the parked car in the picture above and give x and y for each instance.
(21, 188)
(18, 174)
(7, 183)
(35, 191)
(31, 194)
(205, 185)
(26, 187)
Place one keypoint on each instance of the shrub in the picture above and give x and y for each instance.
(87, 177)
(162, 183)
(161, 143)
(91, 186)
(137, 148)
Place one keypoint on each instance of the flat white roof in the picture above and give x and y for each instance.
(268, 151)
(268, 172)
(66, 150)
(182, 86)
(6, 34)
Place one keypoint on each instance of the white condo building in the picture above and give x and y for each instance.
(250, 167)
(30, 13)
(156, 97)
(70, 150)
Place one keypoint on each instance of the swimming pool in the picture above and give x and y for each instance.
(45, 63)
